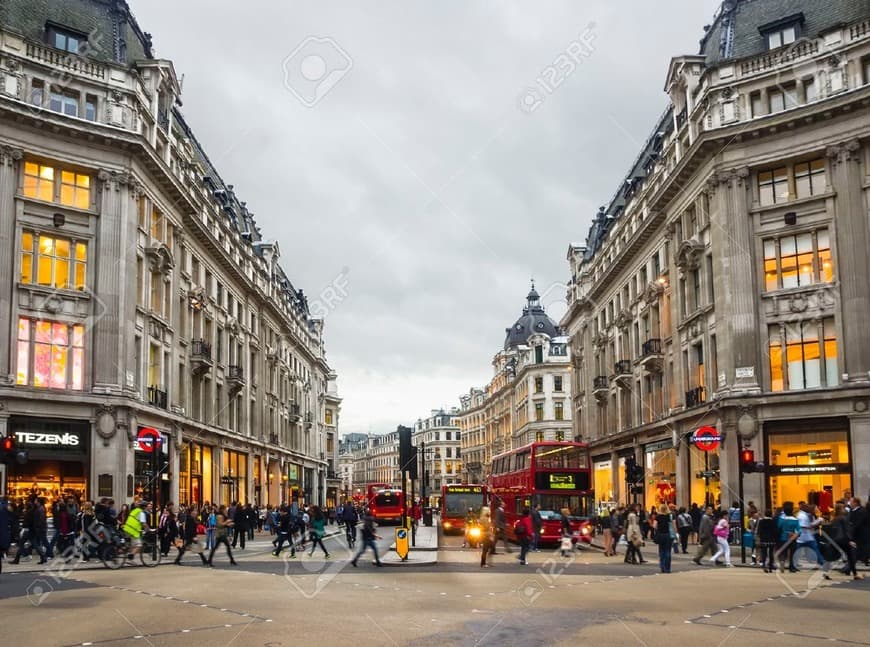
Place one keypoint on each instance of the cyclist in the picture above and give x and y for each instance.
(350, 518)
(136, 525)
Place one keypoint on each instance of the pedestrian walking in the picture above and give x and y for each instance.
(5, 529)
(318, 530)
(368, 539)
(843, 534)
(608, 533)
(187, 526)
(537, 526)
(722, 531)
(210, 522)
(765, 540)
(705, 535)
(633, 538)
(487, 536)
(789, 531)
(240, 526)
(284, 531)
(523, 532)
(350, 518)
(221, 535)
(500, 524)
(684, 528)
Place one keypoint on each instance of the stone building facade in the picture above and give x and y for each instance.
(137, 291)
(725, 283)
(528, 398)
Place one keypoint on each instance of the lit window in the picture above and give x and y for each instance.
(57, 185)
(60, 263)
(328, 417)
(559, 411)
(800, 260)
(75, 189)
(38, 181)
(50, 354)
(773, 186)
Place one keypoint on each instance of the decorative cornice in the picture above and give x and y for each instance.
(116, 180)
(731, 177)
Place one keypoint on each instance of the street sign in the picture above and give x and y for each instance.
(402, 546)
(148, 438)
(706, 438)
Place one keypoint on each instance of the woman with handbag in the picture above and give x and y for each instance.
(664, 535)
(189, 527)
(634, 539)
(221, 532)
(721, 531)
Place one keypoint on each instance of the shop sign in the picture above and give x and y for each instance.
(830, 468)
(602, 465)
(147, 439)
(706, 439)
(659, 446)
(744, 372)
(55, 440)
(228, 480)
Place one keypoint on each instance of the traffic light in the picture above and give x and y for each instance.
(747, 462)
(9, 451)
(633, 471)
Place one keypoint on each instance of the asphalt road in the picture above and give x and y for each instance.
(273, 602)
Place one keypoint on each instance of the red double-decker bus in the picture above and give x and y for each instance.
(387, 505)
(456, 502)
(555, 475)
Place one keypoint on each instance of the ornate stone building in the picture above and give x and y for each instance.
(725, 283)
(137, 291)
(528, 398)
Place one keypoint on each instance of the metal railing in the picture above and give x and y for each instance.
(200, 348)
(600, 382)
(622, 367)
(235, 373)
(696, 396)
(157, 396)
(651, 347)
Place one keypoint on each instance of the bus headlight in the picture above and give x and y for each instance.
(584, 530)
(447, 525)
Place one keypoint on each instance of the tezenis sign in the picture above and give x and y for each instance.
(32, 438)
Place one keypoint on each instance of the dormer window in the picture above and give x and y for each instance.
(783, 31)
(66, 39)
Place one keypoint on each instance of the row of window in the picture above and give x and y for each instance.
(557, 384)
(50, 354)
(798, 260)
(558, 411)
(53, 262)
(791, 182)
(55, 184)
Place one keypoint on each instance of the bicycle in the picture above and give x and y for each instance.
(114, 552)
(350, 533)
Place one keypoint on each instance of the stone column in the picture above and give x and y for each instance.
(735, 269)
(852, 233)
(109, 316)
(9, 164)
(614, 477)
(860, 428)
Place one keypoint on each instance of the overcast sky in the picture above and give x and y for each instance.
(404, 163)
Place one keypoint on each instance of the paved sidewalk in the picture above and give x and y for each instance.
(424, 553)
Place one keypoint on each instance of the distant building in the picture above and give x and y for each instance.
(440, 463)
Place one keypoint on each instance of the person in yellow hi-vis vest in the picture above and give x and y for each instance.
(136, 525)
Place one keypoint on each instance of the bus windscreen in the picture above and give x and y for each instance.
(459, 503)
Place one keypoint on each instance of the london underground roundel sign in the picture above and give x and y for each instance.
(148, 438)
(706, 439)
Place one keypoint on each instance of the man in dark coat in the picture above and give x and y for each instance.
(240, 525)
(187, 523)
(5, 529)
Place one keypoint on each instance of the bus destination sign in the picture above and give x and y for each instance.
(465, 489)
(563, 481)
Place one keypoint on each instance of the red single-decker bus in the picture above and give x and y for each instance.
(553, 474)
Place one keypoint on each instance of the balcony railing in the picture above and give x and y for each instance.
(622, 367)
(600, 382)
(235, 378)
(273, 438)
(651, 347)
(72, 62)
(696, 396)
(157, 396)
(201, 349)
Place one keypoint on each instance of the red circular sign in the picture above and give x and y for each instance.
(706, 439)
(148, 438)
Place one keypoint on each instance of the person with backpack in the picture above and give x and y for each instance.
(368, 539)
(684, 528)
(210, 519)
(523, 532)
